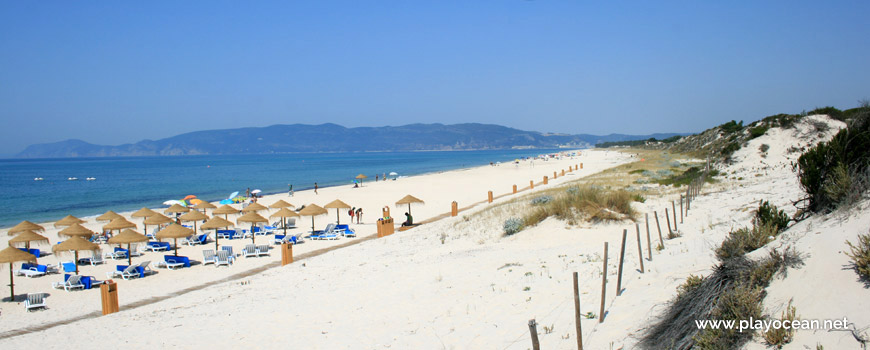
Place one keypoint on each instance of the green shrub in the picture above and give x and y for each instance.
(829, 111)
(730, 148)
(738, 303)
(512, 226)
(731, 127)
(757, 131)
(860, 254)
(586, 203)
(542, 200)
(767, 214)
(691, 283)
(744, 240)
(683, 178)
(778, 337)
(835, 172)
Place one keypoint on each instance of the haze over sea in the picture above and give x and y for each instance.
(124, 184)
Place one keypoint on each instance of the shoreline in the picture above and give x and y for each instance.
(323, 185)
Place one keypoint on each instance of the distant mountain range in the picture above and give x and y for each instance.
(330, 138)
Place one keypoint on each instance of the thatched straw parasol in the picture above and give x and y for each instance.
(281, 204)
(215, 223)
(129, 237)
(75, 244)
(205, 205)
(68, 220)
(118, 224)
(360, 177)
(284, 213)
(144, 213)
(409, 199)
(194, 216)
(225, 209)
(253, 218)
(254, 207)
(108, 216)
(176, 209)
(12, 255)
(337, 204)
(26, 237)
(76, 230)
(312, 211)
(25, 226)
(174, 231)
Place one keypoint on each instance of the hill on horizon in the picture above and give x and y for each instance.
(302, 138)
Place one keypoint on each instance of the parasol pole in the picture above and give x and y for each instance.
(76, 261)
(129, 255)
(11, 284)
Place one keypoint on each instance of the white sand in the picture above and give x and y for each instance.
(466, 186)
(459, 284)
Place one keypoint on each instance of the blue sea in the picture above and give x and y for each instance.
(130, 183)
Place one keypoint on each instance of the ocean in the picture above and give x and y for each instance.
(129, 183)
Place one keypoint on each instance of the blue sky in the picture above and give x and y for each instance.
(112, 72)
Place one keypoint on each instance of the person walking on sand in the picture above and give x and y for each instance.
(315, 188)
(290, 191)
(351, 212)
(359, 215)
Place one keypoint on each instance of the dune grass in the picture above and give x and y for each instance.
(583, 203)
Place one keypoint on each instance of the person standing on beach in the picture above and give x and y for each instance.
(290, 191)
(315, 188)
(248, 192)
(358, 215)
(351, 212)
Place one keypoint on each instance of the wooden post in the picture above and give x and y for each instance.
(563, 172)
(581, 165)
(648, 240)
(659, 227)
(515, 188)
(577, 316)
(621, 259)
(531, 184)
(534, 331)
(674, 209)
(489, 196)
(639, 247)
(668, 218)
(681, 208)
(109, 296)
(545, 180)
(454, 208)
(286, 253)
(603, 286)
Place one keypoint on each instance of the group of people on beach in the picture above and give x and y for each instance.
(355, 212)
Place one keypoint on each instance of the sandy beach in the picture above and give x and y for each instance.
(466, 186)
(459, 282)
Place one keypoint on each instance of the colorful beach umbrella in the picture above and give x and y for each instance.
(337, 205)
(174, 231)
(12, 255)
(188, 197)
(75, 244)
(312, 211)
(233, 195)
(409, 199)
(24, 226)
(68, 220)
(254, 219)
(215, 224)
(129, 237)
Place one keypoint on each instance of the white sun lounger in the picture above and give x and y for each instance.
(35, 301)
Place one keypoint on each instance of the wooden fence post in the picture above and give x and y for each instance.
(681, 208)
(577, 315)
(454, 208)
(621, 259)
(659, 227)
(489, 196)
(603, 286)
(648, 240)
(674, 207)
(639, 247)
(515, 188)
(531, 184)
(534, 331)
(668, 218)
(545, 180)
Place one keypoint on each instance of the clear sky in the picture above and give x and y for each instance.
(112, 72)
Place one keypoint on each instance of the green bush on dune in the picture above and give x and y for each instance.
(836, 172)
